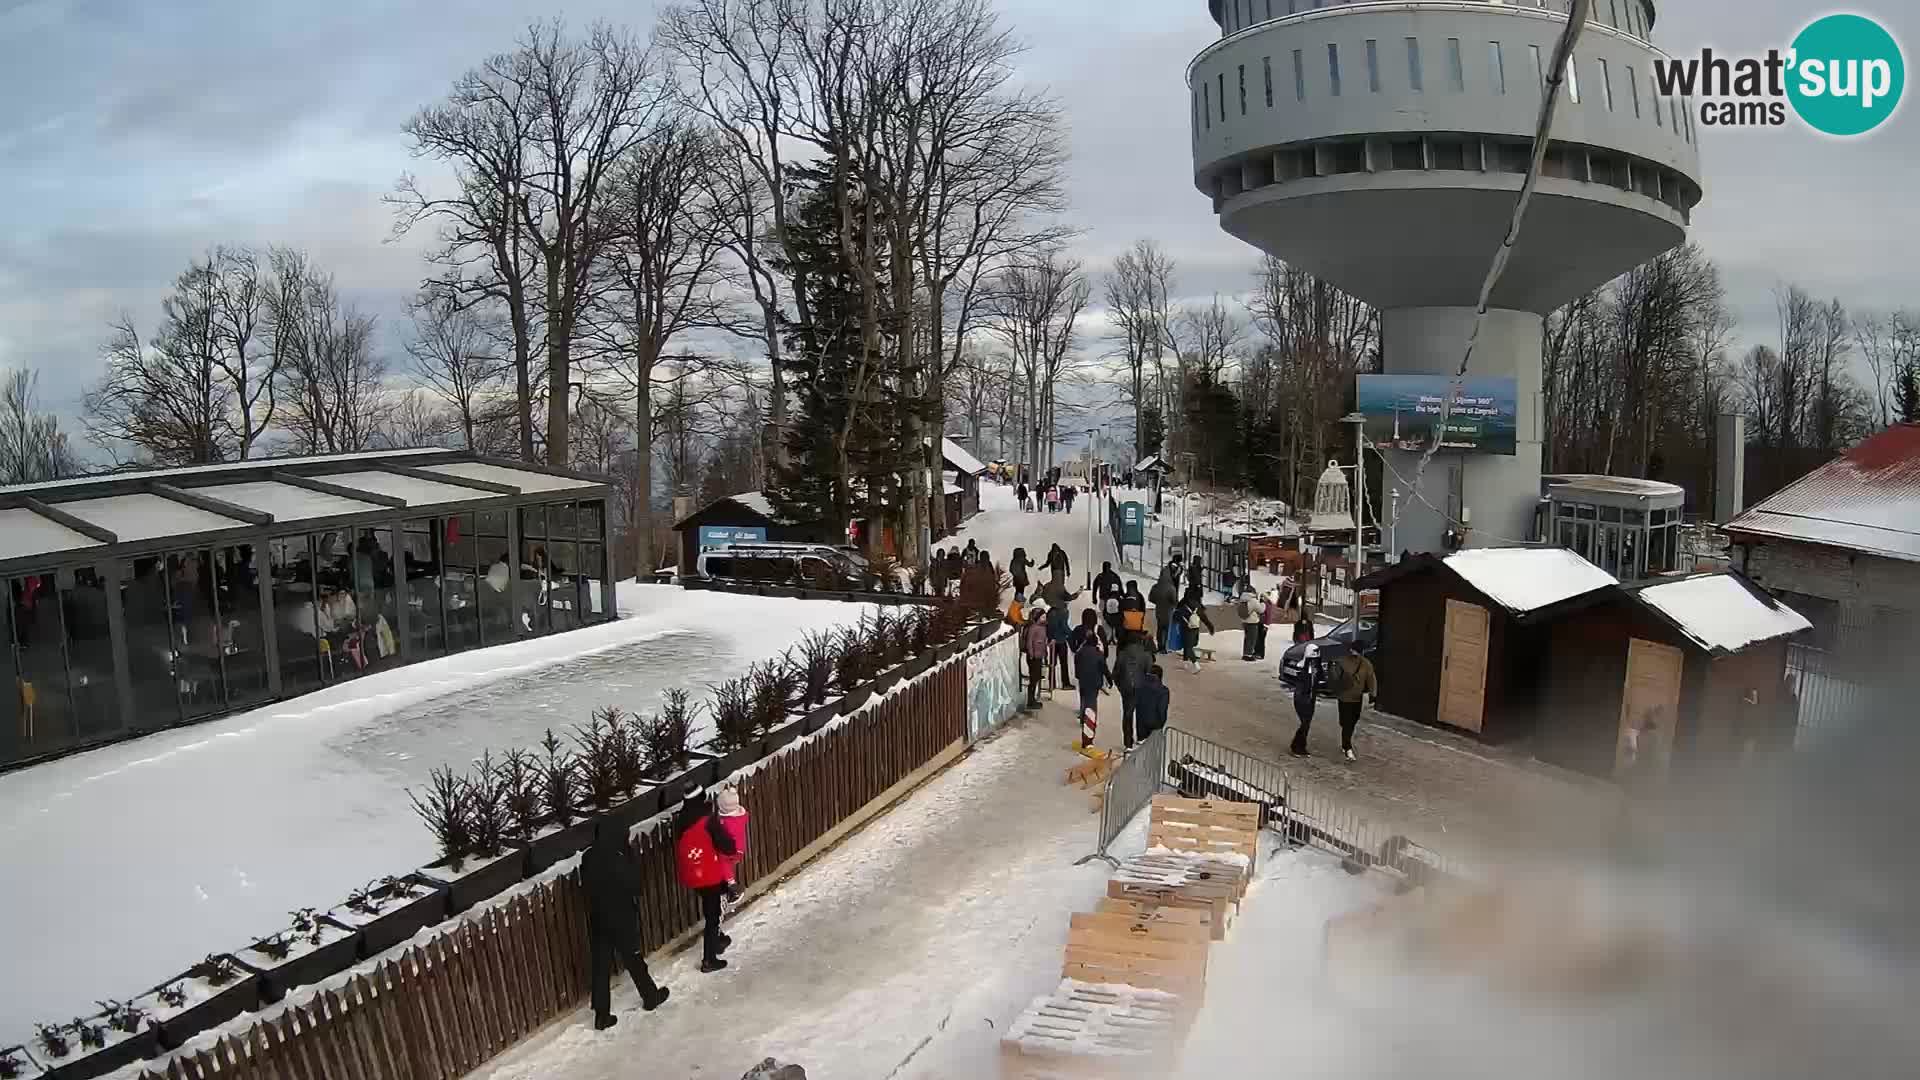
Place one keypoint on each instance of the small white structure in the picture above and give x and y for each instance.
(1332, 502)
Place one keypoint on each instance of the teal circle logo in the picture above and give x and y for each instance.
(1846, 75)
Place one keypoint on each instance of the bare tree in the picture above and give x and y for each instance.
(455, 352)
(415, 416)
(166, 404)
(1890, 342)
(1139, 300)
(1035, 309)
(331, 394)
(1317, 338)
(660, 276)
(33, 449)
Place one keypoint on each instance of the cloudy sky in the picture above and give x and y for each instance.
(135, 134)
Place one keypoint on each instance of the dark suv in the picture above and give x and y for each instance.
(1354, 635)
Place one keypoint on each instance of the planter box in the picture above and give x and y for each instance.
(206, 1006)
(556, 843)
(121, 1049)
(916, 666)
(821, 717)
(855, 699)
(884, 681)
(399, 916)
(23, 1062)
(477, 879)
(337, 950)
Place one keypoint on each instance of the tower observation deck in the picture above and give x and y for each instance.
(1381, 145)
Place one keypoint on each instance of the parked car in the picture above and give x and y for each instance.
(803, 564)
(1354, 635)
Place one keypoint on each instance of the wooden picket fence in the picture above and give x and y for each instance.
(439, 1009)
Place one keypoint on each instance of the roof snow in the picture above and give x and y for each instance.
(959, 457)
(1527, 579)
(1721, 613)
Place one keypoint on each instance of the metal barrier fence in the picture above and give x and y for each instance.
(1176, 760)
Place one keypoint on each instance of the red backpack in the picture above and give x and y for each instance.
(700, 864)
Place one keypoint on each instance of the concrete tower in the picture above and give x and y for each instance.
(1381, 145)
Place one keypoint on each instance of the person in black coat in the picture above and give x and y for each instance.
(1164, 595)
(612, 885)
(1017, 570)
(1305, 696)
(1151, 699)
(1106, 586)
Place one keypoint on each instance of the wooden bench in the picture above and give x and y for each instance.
(1205, 827)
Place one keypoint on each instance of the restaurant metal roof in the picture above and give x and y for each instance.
(1865, 500)
(96, 515)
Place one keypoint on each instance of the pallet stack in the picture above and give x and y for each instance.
(1135, 971)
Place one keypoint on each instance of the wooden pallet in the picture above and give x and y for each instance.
(1087, 1031)
(1205, 826)
(1201, 918)
(1189, 881)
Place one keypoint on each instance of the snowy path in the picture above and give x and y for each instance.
(902, 953)
(127, 863)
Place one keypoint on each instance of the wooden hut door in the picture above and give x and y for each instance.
(1649, 707)
(1463, 667)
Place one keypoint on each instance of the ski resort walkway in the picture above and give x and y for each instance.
(900, 953)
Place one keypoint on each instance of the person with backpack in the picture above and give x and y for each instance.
(1164, 596)
(1269, 611)
(1191, 616)
(1133, 611)
(1034, 647)
(1248, 608)
(1349, 679)
(703, 854)
(1130, 677)
(1106, 591)
(1305, 697)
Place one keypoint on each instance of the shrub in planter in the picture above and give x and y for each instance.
(488, 820)
(775, 687)
(16, 1065)
(735, 726)
(559, 781)
(210, 993)
(919, 631)
(881, 641)
(443, 807)
(519, 780)
(629, 755)
(817, 652)
(310, 949)
(981, 587)
(390, 910)
(597, 753)
(666, 739)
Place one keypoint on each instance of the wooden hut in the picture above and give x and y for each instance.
(1688, 668)
(744, 518)
(1456, 640)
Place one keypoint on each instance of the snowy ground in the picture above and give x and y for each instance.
(902, 953)
(127, 863)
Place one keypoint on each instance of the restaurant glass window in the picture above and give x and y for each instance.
(422, 578)
(1583, 540)
(302, 623)
(44, 718)
(150, 643)
(84, 596)
(1610, 549)
(374, 589)
(536, 571)
(341, 654)
(563, 561)
(459, 573)
(236, 580)
(1630, 548)
(593, 556)
(1609, 513)
(495, 585)
(198, 658)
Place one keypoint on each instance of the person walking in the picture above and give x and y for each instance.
(1150, 704)
(1191, 615)
(1164, 596)
(1035, 646)
(1177, 566)
(1106, 594)
(1302, 626)
(1067, 497)
(1248, 608)
(701, 853)
(1020, 493)
(1090, 664)
(1305, 696)
(954, 567)
(1269, 610)
(1059, 565)
(1133, 610)
(612, 884)
(937, 573)
(1017, 569)
(1130, 677)
(971, 555)
(1349, 679)
(1058, 631)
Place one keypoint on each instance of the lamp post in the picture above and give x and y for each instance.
(1090, 502)
(1359, 423)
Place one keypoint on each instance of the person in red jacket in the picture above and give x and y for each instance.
(704, 851)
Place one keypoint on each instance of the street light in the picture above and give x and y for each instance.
(1359, 423)
(1090, 502)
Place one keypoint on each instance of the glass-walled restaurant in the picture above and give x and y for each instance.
(143, 600)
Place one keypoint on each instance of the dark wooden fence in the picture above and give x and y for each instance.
(436, 1010)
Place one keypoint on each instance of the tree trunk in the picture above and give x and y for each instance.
(559, 373)
(642, 510)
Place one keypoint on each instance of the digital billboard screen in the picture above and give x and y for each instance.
(1401, 412)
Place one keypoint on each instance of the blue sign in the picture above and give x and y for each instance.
(1402, 411)
(713, 536)
(1133, 523)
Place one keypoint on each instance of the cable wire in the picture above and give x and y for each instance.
(1562, 58)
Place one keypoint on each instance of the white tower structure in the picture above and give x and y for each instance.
(1381, 146)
